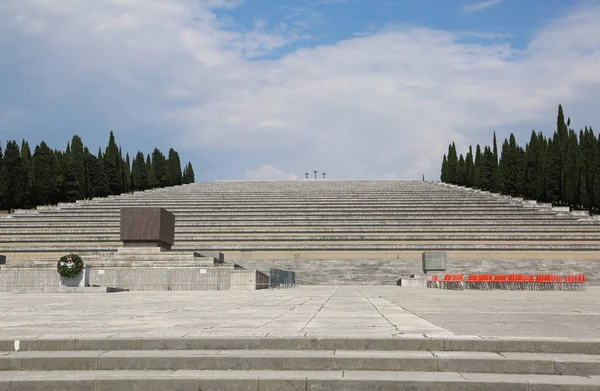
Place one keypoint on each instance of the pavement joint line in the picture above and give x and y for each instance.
(280, 315)
(320, 308)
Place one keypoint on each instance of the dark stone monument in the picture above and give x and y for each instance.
(147, 227)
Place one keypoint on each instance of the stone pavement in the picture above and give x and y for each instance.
(313, 311)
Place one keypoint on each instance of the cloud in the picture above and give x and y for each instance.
(386, 104)
(267, 172)
(480, 5)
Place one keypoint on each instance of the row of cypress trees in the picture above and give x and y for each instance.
(563, 169)
(50, 176)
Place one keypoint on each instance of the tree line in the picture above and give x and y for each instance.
(563, 169)
(50, 176)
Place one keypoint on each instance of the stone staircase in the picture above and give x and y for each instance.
(330, 231)
(288, 363)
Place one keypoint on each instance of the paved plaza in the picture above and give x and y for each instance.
(312, 311)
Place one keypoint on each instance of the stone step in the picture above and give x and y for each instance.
(318, 218)
(403, 342)
(298, 212)
(514, 247)
(214, 231)
(181, 239)
(315, 223)
(252, 380)
(312, 360)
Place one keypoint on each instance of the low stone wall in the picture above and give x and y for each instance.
(248, 280)
(387, 271)
(185, 278)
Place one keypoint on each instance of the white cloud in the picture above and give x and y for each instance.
(384, 104)
(267, 172)
(480, 5)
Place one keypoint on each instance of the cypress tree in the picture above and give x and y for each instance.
(102, 186)
(588, 167)
(2, 181)
(452, 163)
(443, 176)
(487, 169)
(520, 163)
(27, 200)
(572, 164)
(151, 174)
(531, 165)
(139, 172)
(111, 166)
(44, 169)
(78, 166)
(72, 185)
(469, 168)
(461, 171)
(541, 168)
(190, 173)
(596, 181)
(562, 141)
(159, 165)
(174, 168)
(495, 175)
(553, 170)
(504, 168)
(126, 171)
(14, 175)
(478, 168)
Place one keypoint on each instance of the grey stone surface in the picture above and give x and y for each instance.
(431, 215)
(293, 380)
(387, 271)
(147, 227)
(434, 261)
(362, 312)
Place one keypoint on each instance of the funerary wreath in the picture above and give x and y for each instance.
(69, 266)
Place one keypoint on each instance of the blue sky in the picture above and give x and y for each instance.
(261, 89)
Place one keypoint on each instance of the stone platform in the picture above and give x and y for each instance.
(308, 338)
(315, 311)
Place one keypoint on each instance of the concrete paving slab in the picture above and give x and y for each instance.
(317, 311)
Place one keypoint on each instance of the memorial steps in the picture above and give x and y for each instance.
(408, 362)
(300, 224)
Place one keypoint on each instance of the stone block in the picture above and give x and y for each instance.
(213, 254)
(58, 361)
(46, 344)
(10, 363)
(81, 280)
(147, 227)
(25, 384)
(146, 384)
(435, 261)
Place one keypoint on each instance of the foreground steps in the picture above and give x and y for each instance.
(184, 380)
(408, 362)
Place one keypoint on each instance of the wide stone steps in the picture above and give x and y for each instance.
(65, 229)
(325, 218)
(292, 247)
(302, 212)
(309, 360)
(251, 380)
(406, 362)
(325, 240)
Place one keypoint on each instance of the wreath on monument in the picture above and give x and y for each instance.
(69, 266)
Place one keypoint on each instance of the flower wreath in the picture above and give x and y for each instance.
(69, 266)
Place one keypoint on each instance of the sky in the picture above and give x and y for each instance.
(270, 89)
